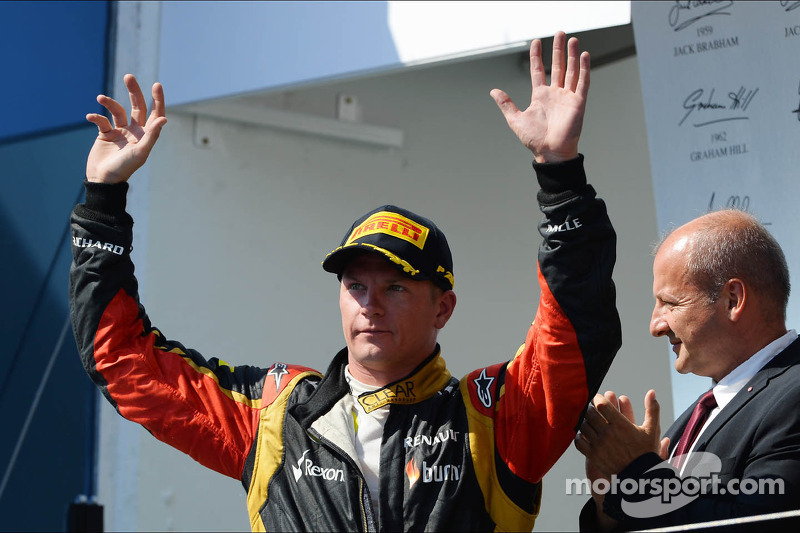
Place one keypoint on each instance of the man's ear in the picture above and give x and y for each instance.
(735, 294)
(447, 304)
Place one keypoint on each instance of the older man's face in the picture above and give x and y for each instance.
(694, 326)
(390, 322)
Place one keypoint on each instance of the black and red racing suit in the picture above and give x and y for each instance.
(456, 455)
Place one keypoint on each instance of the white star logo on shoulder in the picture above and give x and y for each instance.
(482, 385)
(278, 370)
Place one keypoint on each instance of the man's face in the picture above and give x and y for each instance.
(695, 327)
(390, 322)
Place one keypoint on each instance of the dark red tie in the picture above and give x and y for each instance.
(704, 406)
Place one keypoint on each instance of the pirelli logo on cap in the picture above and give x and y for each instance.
(392, 224)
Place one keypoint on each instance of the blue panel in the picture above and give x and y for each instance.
(42, 179)
(53, 63)
(212, 49)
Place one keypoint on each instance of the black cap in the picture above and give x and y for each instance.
(410, 242)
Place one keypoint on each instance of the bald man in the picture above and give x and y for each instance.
(721, 288)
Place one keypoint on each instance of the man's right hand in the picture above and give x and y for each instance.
(121, 149)
(599, 442)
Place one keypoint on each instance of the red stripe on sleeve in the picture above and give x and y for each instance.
(545, 393)
(161, 391)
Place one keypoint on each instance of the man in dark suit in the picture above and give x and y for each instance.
(721, 287)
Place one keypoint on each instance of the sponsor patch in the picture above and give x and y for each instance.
(567, 225)
(443, 435)
(391, 224)
(308, 468)
(80, 242)
(431, 474)
(402, 393)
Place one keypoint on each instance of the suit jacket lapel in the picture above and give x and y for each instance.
(777, 366)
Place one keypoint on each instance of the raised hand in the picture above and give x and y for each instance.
(551, 125)
(122, 148)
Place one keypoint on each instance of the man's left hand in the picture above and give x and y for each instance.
(610, 438)
(551, 125)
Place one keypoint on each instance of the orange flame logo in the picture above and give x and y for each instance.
(412, 472)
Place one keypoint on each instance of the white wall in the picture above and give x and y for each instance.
(268, 45)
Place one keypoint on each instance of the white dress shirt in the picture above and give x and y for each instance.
(730, 385)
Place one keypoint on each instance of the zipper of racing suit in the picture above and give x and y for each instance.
(365, 503)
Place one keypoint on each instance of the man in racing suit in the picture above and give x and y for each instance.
(386, 439)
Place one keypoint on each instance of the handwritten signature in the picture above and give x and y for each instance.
(790, 5)
(696, 10)
(739, 101)
(734, 201)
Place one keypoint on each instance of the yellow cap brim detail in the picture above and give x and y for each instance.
(407, 268)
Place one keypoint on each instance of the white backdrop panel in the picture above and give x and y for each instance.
(720, 88)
